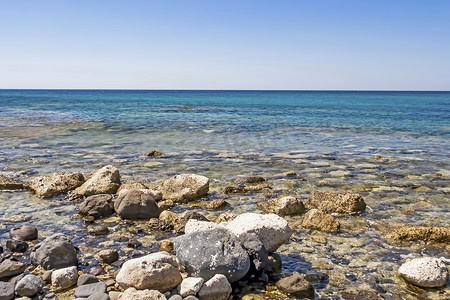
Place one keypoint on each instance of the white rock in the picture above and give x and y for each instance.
(271, 229)
(64, 278)
(102, 181)
(157, 271)
(425, 272)
(133, 294)
(217, 288)
(190, 286)
(196, 225)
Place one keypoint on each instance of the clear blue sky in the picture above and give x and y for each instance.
(207, 44)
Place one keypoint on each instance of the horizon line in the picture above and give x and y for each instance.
(237, 90)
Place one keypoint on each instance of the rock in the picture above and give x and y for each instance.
(98, 229)
(17, 246)
(255, 248)
(138, 204)
(184, 187)
(47, 276)
(217, 288)
(421, 233)
(56, 184)
(206, 253)
(29, 286)
(168, 216)
(274, 264)
(190, 297)
(161, 225)
(134, 243)
(133, 294)
(108, 256)
(113, 295)
(270, 229)
(154, 271)
(297, 286)
(233, 190)
(86, 290)
(335, 202)
(98, 296)
(55, 252)
(319, 220)
(176, 297)
(64, 278)
(166, 245)
(7, 183)
(153, 153)
(86, 279)
(284, 206)
(10, 267)
(225, 217)
(216, 204)
(289, 174)
(194, 225)
(249, 180)
(24, 233)
(131, 186)
(102, 181)
(190, 286)
(181, 221)
(166, 204)
(97, 206)
(6, 291)
(425, 272)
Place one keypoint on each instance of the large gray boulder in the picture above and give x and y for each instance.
(29, 286)
(425, 272)
(56, 184)
(184, 187)
(55, 252)
(271, 230)
(206, 253)
(138, 204)
(97, 206)
(336, 202)
(157, 271)
(102, 181)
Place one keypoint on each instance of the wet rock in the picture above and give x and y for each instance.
(225, 217)
(154, 271)
(234, 190)
(194, 225)
(296, 286)
(271, 229)
(283, 206)
(421, 233)
(190, 286)
(206, 253)
(166, 204)
(24, 233)
(17, 246)
(425, 272)
(55, 252)
(102, 181)
(86, 290)
(56, 184)
(255, 248)
(166, 245)
(86, 279)
(64, 278)
(257, 187)
(168, 216)
(181, 221)
(216, 204)
(98, 229)
(289, 174)
(336, 202)
(217, 288)
(108, 256)
(249, 180)
(161, 225)
(7, 183)
(138, 204)
(29, 286)
(321, 221)
(97, 206)
(131, 186)
(133, 294)
(184, 187)
(10, 267)
(6, 291)
(154, 153)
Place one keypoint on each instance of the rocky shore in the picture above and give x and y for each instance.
(198, 256)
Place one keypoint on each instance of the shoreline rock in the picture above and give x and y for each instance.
(56, 184)
(183, 188)
(319, 220)
(284, 206)
(344, 203)
(421, 233)
(425, 272)
(102, 181)
(138, 204)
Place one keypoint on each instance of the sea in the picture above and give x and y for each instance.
(392, 147)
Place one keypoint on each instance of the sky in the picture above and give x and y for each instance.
(233, 44)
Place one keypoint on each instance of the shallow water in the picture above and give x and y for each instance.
(392, 148)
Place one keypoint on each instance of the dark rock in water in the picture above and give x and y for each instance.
(7, 183)
(85, 290)
(98, 229)
(315, 276)
(29, 286)
(250, 179)
(335, 202)
(297, 286)
(162, 225)
(55, 252)
(6, 291)
(184, 187)
(138, 204)
(321, 221)
(108, 256)
(102, 181)
(153, 153)
(17, 246)
(234, 190)
(255, 248)
(97, 206)
(180, 222)
(10, 267)
(86, 279)
(56, 184)
(24, 233)
(284, 206)
(209, 252)
(274, 264)
(134, 243)
(421, 233)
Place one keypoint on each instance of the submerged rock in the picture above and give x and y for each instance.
(138, 204)
(425, 272)
(297, 286)
(7, 183)
(208, 252)
(316, 219)
(56, 184)
(97, 206)
(283, 206)
(102, 181)
(24, 233)
(249, 180)
(56, 251)
(184, 187)
(154, 153)
(336, 202)
(421, 233)
(217, 288)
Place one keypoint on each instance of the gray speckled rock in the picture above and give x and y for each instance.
(425, 272)
(86, 279)
(335, 202)
(138, 204)
(64, 278)
(217, 288)
(255, 248)
(6, 291)
(29, 286)
(270, 229)
(56, 184)
(184, 187)
(102, 181)
(206, 253)
(97, 206)
(85, 290)
(55, 252)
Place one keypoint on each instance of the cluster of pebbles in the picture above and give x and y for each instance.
(206, 260)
